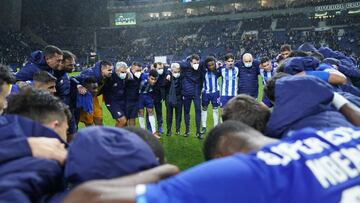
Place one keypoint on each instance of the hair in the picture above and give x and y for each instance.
(136, 64)
(38, 105)
(104, 63)
(6, 76)
(175, 65)
(269, 89)
(248, 110)
(153, 73)
(285, 47)
(194, 57)
(156, 64)
(89, 80)
(154, 143)
(67, 55)
(209, 59)
(229, 56)
(264, 59)
(43, 77)
(120, 64)
(51, 50)
(212, 144)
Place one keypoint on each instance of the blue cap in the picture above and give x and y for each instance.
(106, 152)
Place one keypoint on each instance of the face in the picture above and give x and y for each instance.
(247, 59)
(120, 70)
(159, 66)
(229, 63)
(4, 92)
(50, 86)
(54, 61)
(194, 62)
(106, 71)
(267, 65)
(211, 65)
(135, 69)
(68, 65)
(175, 70)
(93, 88)
(285, 54)
(152, 80)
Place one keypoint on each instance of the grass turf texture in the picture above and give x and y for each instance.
(181, 151)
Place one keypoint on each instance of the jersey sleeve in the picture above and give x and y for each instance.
(323, 75)
(230, 179)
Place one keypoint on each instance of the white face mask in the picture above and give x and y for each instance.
(248, 65)
(176, 75)
(195, 66)
(137, 74)
(160, 71)
(122, 75)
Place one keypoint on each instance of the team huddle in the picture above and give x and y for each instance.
(301, 143)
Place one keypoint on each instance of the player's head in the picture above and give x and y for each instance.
(247, 59)
(248, 110)
(232, 137)
(285, 50)
(106, 68)
(41, 106)
(175, 70)
(194, 61)
(121, 69)
(68, 63)
(269, 89)
(265, 63)
(6, 79)
(154, 143)
(43, 80)
(136, 69)
(152, 78)
(91, 85)
(229, 60)
(53, 57)
(210, 62)
(159, 67)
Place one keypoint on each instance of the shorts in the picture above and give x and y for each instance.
(146, 101)
(224, 100)
(88, 118)
(214, 98)
(132, 109)
(117, 109)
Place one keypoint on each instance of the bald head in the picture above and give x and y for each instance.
(232, 137)
(247, 60)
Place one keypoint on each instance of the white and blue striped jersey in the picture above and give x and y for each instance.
(211, 84)
(145, 86)
(229, 85)
(266, 75)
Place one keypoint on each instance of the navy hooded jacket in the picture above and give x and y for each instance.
(300, 102)
(63, 86)
(24, 178)
(36, 62)
(114, 89)
(248, 78)
(191, 79)
(104, 153)
(295, 65)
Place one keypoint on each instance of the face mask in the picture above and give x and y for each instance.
(248, 65)
(137, 74)
(176, 75)
(160, 71)
(195, 66)
(122, 75)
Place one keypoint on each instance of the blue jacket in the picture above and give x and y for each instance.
(36, 62)
(302, 102)
(132, 87)
(248, 79)
(114, 89)
(63, 86)
(159, 89)
(191, 79)
(298, 64)
(348, 65)
(24, 178)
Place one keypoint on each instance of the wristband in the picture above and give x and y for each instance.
(339, 101)
(140, 193)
